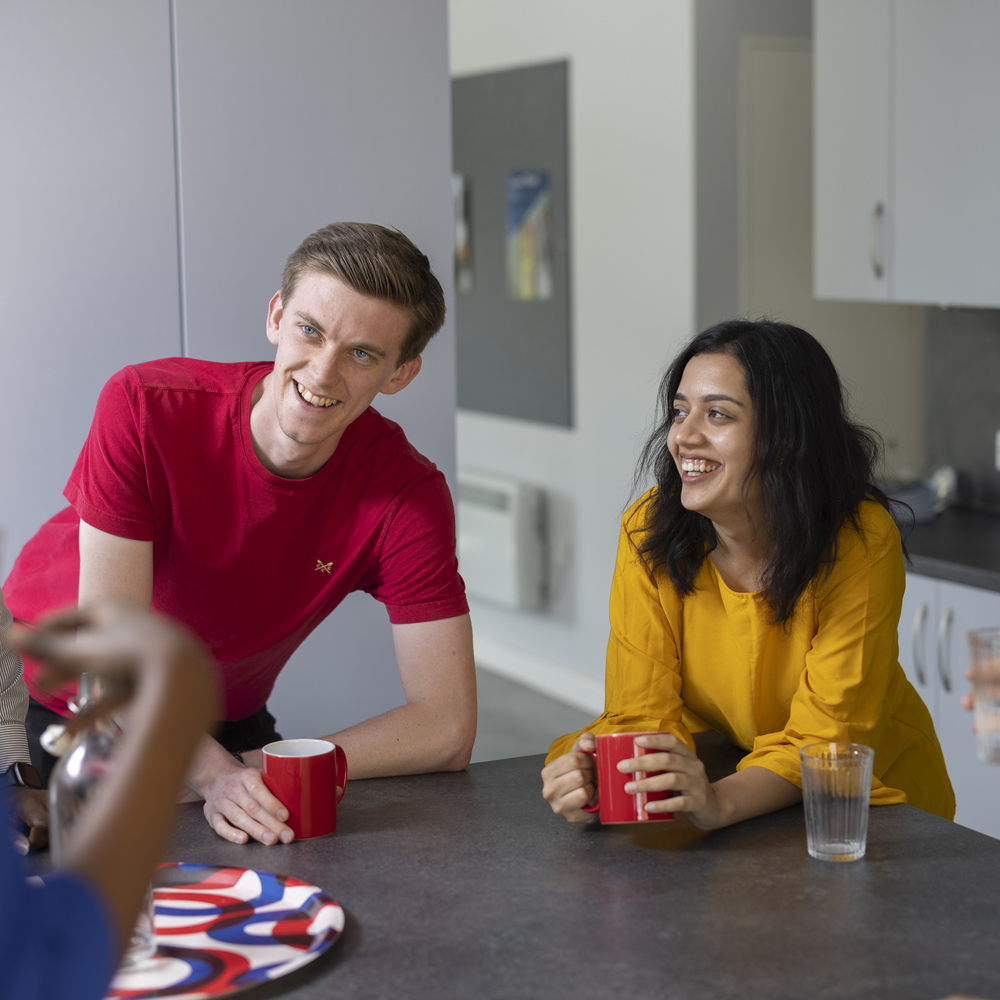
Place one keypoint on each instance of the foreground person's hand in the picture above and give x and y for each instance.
(568, 783)
(30, 807)
(684, 776)
(238, 805)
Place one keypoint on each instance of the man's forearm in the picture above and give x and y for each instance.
(411, 739)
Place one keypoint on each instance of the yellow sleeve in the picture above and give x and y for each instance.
(642, 681)
(848, 686)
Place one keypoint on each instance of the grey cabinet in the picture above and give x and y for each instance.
(907, 205)
(161, 160)
(88, 230)
(933, 651)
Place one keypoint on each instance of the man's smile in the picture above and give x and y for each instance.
(312, 400)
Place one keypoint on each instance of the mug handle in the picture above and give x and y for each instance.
(341, 759)
(597, 805)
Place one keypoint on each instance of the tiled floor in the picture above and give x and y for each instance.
(515, 720)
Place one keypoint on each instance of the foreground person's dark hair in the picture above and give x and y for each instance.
(814, 465)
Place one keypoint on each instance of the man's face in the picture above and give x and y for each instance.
(337, 349)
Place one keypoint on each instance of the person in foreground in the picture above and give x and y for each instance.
(66, 939)
(248, 500)
(757, 592)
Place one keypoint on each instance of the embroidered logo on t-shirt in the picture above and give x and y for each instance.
(323, 567)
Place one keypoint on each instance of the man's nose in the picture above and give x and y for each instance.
(327, 369)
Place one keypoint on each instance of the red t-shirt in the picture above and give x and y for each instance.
(251, 562)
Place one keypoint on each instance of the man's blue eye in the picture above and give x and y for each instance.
(307, 330)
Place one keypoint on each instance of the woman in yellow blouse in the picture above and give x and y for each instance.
(757, 592)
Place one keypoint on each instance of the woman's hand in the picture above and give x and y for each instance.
(568, 783)
(684, 775)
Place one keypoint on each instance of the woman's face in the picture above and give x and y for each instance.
(711, 438)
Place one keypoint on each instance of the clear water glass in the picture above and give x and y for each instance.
(836, 785)
(984, 649)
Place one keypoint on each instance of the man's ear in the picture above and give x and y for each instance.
(402, 376)
(274, 312)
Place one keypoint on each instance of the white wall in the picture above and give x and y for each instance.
(632, 245)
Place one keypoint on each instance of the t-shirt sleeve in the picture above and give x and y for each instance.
(108, 486)
(642, 680)
(56, 940)
(416, 572)
(846, 684)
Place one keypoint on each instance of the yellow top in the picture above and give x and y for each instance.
(711, 661)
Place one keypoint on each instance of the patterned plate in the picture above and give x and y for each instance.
(222, 930)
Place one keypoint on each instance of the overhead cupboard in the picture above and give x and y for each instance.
(907, 141)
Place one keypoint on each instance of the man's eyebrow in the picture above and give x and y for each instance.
(309, 321)
(716, 397)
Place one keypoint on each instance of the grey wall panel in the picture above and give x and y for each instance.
(294, 115)
(88, 250)
(326, 111)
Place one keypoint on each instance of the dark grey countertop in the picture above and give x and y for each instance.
(961, 545)
(466, 886)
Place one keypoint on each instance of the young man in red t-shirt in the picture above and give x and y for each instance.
(248, 499)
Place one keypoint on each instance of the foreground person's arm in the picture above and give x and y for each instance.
(122, 833)
(433, 731)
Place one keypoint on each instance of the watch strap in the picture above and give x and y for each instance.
(21, 775)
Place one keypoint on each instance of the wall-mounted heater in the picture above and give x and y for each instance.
(501, 540)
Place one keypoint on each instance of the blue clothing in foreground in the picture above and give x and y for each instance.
(56, 942)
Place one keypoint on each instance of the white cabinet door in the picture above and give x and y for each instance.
(977, 785)
(851, 163)
(946, 146)
(916, 621)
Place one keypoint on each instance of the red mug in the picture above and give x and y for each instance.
(304, 776)
(614, 803)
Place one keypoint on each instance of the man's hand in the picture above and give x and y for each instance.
(238, 803)
(30, 807)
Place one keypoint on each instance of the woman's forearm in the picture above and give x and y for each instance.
(751, 792)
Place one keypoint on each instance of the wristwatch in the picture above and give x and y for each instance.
(21, 775)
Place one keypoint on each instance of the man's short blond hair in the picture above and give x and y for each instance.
(378, 262)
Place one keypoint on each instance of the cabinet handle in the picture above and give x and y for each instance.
(874, 229)
(918, 645)
(944, 650)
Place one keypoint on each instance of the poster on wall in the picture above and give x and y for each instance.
(529, 235)
(464, 281)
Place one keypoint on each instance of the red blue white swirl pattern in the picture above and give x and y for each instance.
(222, 930)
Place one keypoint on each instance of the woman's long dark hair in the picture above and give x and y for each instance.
(813, 464)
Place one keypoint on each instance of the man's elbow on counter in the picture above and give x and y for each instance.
(457, 747)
